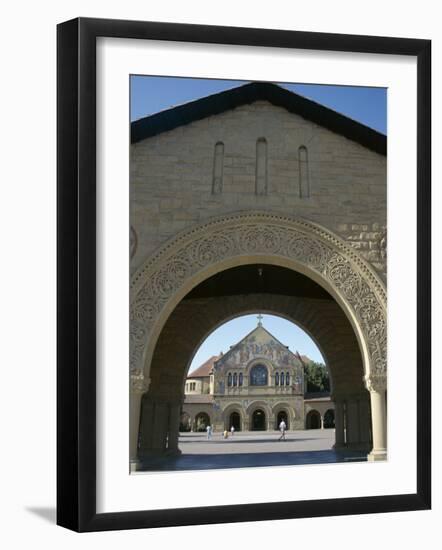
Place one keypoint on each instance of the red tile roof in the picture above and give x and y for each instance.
(205, 369)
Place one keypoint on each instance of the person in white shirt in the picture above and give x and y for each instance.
(282, 428)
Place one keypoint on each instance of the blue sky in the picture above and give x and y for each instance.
(152, 94)
(366, 105)
(232, 332)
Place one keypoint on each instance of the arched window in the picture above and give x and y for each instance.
(287, 379)
(258, 376)
(261, 167)
(304, 176)
(282, 378)
(277, 379)
(240, 379)
(229, 379)
(235, 379)
(218, 164)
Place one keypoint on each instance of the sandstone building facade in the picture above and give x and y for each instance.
(257, 200)
(254, 386)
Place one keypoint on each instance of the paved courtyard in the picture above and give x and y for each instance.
(252, 449)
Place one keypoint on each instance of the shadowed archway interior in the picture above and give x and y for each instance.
(229, 294)
(313, 420)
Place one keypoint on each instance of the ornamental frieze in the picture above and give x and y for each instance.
(250, 234)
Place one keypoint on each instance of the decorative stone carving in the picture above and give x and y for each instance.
(376, 383)
(138, 383)
(266, 234)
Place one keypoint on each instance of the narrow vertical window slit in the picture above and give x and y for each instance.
(218, 165)
(261, 167)
(304, 176)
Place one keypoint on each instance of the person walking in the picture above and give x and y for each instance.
(232, 430)
(209, 432)
(282, 428)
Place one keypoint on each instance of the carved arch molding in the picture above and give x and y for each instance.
(306, 245)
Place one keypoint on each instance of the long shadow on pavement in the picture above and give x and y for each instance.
(238, 441)
(247, 460)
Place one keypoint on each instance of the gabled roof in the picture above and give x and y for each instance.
(255, 91)
(205, 369)
(247, 336)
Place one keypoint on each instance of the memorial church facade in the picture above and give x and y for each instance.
(254, 386)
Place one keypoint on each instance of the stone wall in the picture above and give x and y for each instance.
(175, 181)
(371, 242)
(202, 386)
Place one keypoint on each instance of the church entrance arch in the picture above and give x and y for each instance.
(161, 289)
(258, 420)
(313, 420)
(185, 422)
(202, 420)
(235, 421)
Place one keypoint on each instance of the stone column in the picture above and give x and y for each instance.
(160, 427)
(146, 422)
(174, 428)
(377, 388)
(364, 423)
(352, 423)
(339, 425)
(322, 421)
(218, 417)
(138, 387)
(245, 425)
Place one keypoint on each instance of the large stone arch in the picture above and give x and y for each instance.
(196, 254)
(266, 238)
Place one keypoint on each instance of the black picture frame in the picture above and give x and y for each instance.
(76, 272)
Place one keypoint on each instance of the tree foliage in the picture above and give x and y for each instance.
(316, 377)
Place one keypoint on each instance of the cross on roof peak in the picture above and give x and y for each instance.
(259, 317)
